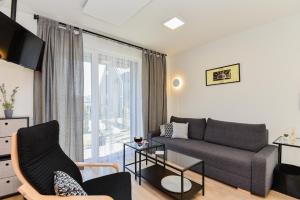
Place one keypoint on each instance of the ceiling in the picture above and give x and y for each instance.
(205, 20)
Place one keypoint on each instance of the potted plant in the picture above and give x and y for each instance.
(8, 105)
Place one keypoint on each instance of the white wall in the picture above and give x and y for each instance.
(14, 75)
(269, 91)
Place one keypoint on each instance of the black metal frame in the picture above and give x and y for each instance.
(140, 153)
(156, 161)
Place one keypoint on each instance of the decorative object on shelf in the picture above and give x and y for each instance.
(293, 136)
(285, 137)
(8, 105)
(138, 140)
(223, 75)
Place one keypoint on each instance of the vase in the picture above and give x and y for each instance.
(8, 113)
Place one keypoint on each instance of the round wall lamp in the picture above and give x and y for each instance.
(177, 83)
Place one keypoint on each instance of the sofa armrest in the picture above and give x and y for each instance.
(263, 165)
(153, 134)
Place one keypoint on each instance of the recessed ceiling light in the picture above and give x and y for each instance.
(174, 23)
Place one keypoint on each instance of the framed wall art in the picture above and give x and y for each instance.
(223, 75)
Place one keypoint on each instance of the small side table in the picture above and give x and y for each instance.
(282, 141)
(287, 177)
(139, 151)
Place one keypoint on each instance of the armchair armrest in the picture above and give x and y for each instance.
(30, 194)
(263, 165)
(113, 165)
(153, 134)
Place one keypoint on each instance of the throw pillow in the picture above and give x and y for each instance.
(162, 130)
(65, 185)
(168, 130)
(180, 130)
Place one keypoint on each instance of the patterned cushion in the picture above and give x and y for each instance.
(65, 185)
(162, 130)
(168, 130)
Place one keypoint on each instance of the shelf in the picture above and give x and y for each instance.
(154, 174)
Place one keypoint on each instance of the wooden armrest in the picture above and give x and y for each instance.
(30, 194)
(113, 165)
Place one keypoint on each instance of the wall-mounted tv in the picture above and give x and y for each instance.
(18, 45)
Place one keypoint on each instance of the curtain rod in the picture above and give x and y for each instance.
(109, 38)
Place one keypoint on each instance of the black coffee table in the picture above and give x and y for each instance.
(160, 168)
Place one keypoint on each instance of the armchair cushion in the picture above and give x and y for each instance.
(117, 185)
(65, 185)
(40, 156)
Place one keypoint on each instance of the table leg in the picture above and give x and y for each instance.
(135, 165)
(164, 156)
(279, 153)
(124, 158)
(147, 157)
(140, 170)
(203, 179)
(181, 194)
(155, 155)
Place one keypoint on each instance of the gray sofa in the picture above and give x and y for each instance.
(234, 153)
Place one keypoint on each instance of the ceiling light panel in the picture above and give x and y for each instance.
(174, 23)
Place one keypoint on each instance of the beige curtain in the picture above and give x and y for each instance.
(154, 91)
(58, 88)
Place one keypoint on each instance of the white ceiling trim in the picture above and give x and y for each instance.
(114, 12)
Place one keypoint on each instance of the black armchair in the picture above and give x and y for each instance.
(36, 154)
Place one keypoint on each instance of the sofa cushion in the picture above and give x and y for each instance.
(229, 159)
(196, 126)
(65, 185)
(251, 137)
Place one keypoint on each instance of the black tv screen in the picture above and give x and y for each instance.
(18, 45)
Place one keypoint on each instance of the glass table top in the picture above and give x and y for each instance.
(181, 161)
(144, 146)
(287, 141)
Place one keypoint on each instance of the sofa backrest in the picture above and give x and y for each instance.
(196, 126)
(251, 137)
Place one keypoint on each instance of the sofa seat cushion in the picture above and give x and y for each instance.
(196, 127)
(229, 159)
(251, 137)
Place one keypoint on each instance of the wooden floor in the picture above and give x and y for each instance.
(214, 191)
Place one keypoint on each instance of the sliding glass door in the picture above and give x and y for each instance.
(112, 105)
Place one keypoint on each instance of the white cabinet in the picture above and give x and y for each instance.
(9, 183)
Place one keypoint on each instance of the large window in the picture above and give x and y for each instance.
(112, 104)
